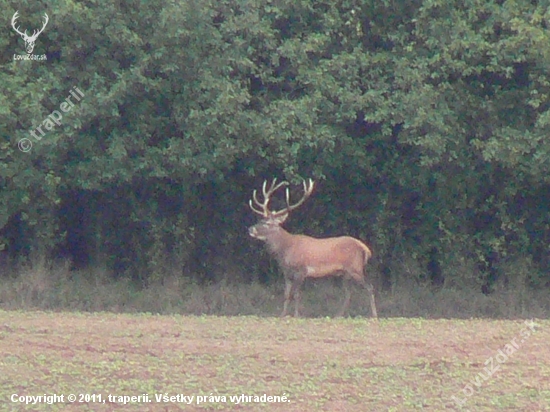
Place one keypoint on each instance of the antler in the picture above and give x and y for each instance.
(267, 195)
(35, 33)
(265, 212)
(13, 20)
(46, 20)
(308, 190)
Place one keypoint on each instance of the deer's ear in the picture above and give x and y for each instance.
(279, 220)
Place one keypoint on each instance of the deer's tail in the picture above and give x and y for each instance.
(367, 252)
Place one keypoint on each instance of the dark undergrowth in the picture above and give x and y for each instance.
(42, 286)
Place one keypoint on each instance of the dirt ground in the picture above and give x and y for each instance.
(229, 363)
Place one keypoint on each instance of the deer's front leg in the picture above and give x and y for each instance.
(288, 296)
(295, 292)
(297, 298)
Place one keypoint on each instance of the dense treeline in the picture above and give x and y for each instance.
(425, 124)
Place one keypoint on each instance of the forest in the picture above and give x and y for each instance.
(134, 133)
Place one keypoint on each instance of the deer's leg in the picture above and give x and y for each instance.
(372, 301)
(297, 285)
(288, 295)
(347, 298)
(370, 289)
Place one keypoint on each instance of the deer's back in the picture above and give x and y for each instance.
(335, 252)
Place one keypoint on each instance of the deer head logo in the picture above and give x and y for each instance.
(29, 40)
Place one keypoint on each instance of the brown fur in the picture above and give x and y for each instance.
(302, 257)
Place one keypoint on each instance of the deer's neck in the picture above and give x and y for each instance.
(279, 242)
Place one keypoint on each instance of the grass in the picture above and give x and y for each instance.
(43, 286)
(353, 364)
(66, 332)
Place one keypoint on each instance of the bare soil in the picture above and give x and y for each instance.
(317, 364)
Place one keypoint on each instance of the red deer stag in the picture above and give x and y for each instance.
(301, 256)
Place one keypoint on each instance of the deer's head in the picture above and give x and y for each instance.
(271, 221)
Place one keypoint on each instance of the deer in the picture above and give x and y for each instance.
(29, 40)
(301, 256)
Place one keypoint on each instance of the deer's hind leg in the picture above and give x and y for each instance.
(372, 301)
(370, 289)
(347, 296)
(359, 278)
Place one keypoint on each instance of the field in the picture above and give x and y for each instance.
(303, 364)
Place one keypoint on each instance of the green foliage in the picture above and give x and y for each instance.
(425, 121)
